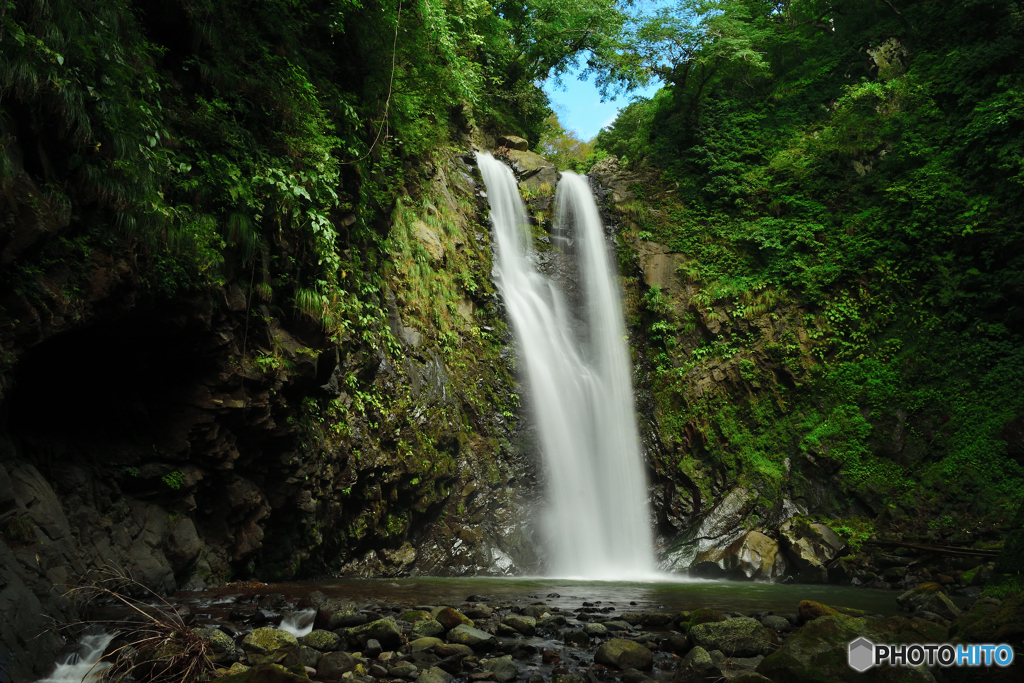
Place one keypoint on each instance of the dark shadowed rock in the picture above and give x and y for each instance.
(624, 654)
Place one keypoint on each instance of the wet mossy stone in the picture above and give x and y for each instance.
(415, 615)
(264, 673)
(739, 637)
(503, 668)
(809, 610)
(424, 644)
(818, 652)
(523, 624)
(434, 675)
(624, 654)
(385, 631)
(452, 650)
(426, 628)
(333, 664)
(268, 645)
(647, 618)
(449, 617)
(1004, 625)
(333, 615)
(480, 641)
(222, 647)
(325, 641)
(576, 638)
(697, 665)
(703, 616)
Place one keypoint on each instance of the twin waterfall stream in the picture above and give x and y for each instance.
(577, 376)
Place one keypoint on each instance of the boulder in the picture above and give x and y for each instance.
(331, 615)
(819, 650)
(434, 675)
(595, 630)
(514, 142)
(333, 664)
(647, 619)
(752, 556)
(222, 648)
(738, 637)
(777, 623)
(810, 546)
(325, 641)
(503, 668)
(449, 618)
(385, 631)
(929, 597)
(523, 624)
(696, 666)
(453, 650)
(415, 615)
(424, 644)
(480, 641)
(426, 628)
(268, 645)
(536, 611)
(534, 171)
(624, 654)
(264, 673)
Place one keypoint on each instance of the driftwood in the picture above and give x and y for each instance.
(956, 551)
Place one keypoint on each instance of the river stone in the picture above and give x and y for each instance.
(325, 641)
(415, 615)
(697, 665)
(452, 650)
(333, 664)
(596, 630)
(434, 675)
(576, 638)
(426, 628)
(819, 650)
(303, 656)
(536, 611)
(928, 597)
(449, 618)
(264, 673)
(624, 654)
(549, 619)
(424, 644)
(268, 645)
(503, 668)
(525, 625)
(777, 623)
(403, 670)
(222, 648)
(616, 625)
(514, 142)
(480, 641)
(738, 637)
(478, 611)
(333, 615)
(385, 631)
(646, 618)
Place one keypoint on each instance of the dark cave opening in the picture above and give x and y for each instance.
(109, 382)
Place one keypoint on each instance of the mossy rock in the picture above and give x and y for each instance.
(415, 615)
(739, 637)
(426, 628)
(817, 653)
(449, 617)
(264, 673)
(325, 641)
(808, 610)
(384, 631)
(703, 616)
(222, 648)
(624, 654)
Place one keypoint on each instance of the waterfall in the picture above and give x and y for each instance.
(596, 517)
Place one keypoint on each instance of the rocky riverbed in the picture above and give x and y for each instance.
(255, 635)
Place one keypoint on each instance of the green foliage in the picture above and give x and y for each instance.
(872, 205)
(173, 480)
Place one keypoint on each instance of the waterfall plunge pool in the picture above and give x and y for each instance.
(624, 596)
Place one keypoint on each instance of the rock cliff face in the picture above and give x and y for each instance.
(207, 436)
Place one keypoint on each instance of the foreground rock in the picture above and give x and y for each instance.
(739, 637)
(624, 654)
(268, 645)
(818, 651)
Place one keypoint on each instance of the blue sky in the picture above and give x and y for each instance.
(579, 106)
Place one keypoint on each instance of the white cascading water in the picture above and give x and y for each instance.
(83, 664)
(581, 396)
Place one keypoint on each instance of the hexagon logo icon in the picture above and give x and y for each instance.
(862, 654)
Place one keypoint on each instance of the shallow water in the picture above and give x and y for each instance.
(623, 596)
